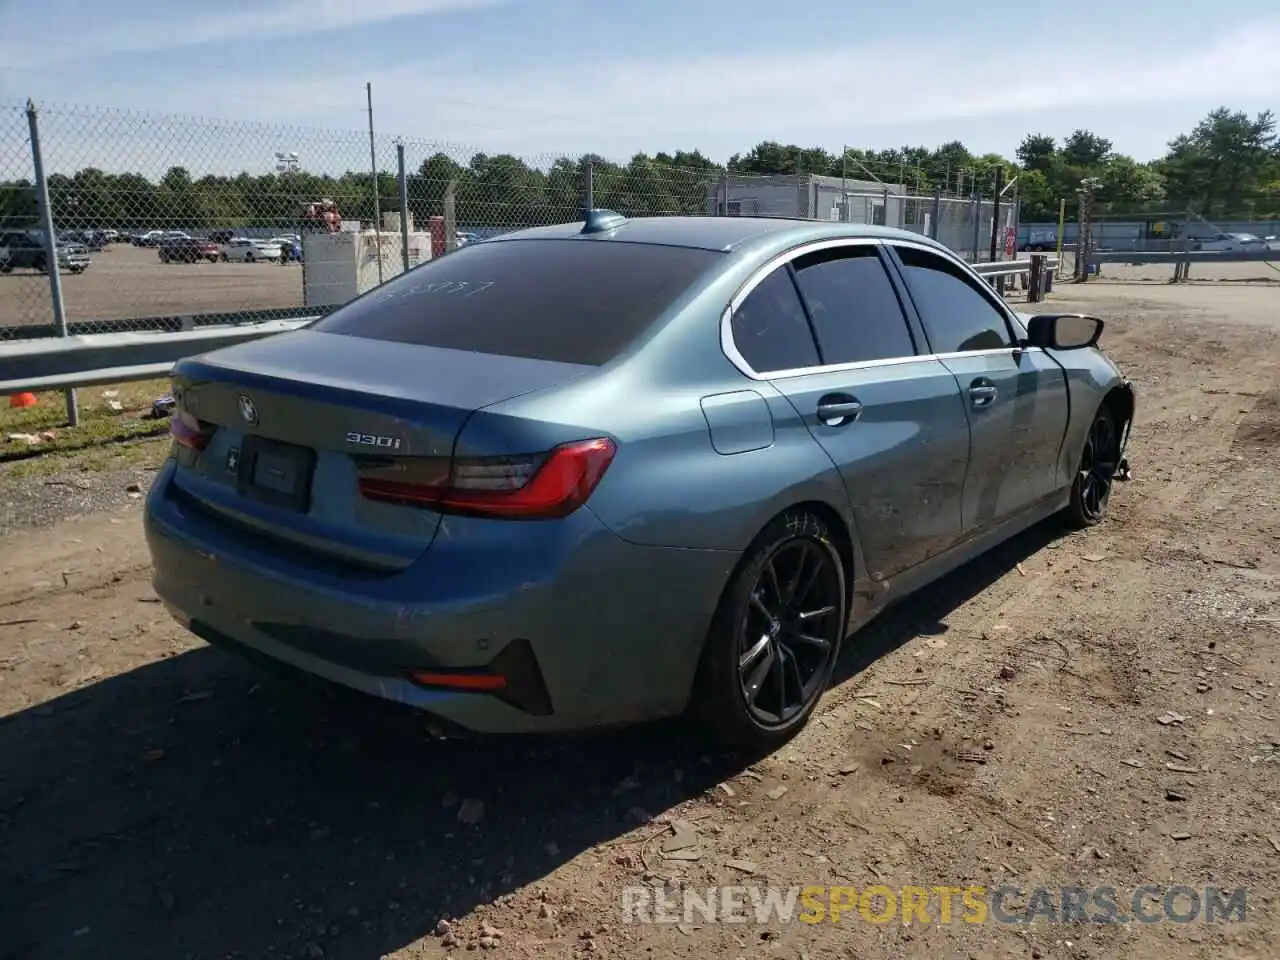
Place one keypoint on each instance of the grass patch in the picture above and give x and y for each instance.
(112, 421)
(147, 453)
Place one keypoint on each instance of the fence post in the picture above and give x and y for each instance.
(404, 205)
(1062, 228)
(724, 193)
(937, 211)
(450, 212)
(995, 214)
(1036, 282)
(50, 247)
(373, 171)
(1186, 245)
(1082, 267)
(590, 197)
(976, 207)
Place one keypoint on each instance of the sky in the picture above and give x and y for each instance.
(548, 77)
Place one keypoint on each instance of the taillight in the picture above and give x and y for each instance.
(532, 487)
(190, 432)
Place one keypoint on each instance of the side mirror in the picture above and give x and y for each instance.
(1063, 331)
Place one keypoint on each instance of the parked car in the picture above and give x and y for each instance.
(222, 236)
(91, 240)
(25, 249)
(290, 244)
(151, 238)
(188, 250)
(607, 472)
(1231, 242)
(1040, 240)
(244, 250)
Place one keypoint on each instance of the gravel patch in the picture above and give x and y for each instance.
(40, 500)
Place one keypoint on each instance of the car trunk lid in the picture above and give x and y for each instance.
(286, 422)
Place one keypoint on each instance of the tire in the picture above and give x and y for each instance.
(1095, 475)
(222, 258)
(249, 258)
(733, 664)
(6, 267)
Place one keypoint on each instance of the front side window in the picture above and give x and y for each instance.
(855, 310)
(957, 316)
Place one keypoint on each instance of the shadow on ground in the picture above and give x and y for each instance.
(197, 808)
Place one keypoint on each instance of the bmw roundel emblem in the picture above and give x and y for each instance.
(248, 410)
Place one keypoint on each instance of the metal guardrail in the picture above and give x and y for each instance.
(1136, 257)
(87, 361)
(1005, 268)
(17, 334)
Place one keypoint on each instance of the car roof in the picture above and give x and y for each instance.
(716, 233)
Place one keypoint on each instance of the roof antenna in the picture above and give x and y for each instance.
(602, 221)
(597, 221)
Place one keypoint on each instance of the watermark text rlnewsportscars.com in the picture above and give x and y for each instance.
(972, 904)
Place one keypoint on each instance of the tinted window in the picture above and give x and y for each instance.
(957, 316)
(574, 301)
(770, 329)
(855, 311)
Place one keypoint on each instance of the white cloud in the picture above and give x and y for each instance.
(829, 94)
(857, 94)
(164, 30)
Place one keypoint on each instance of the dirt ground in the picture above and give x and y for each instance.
(125, 282)
(1091, 709)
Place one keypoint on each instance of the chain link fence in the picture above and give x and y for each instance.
(25, 296)
(189, 222)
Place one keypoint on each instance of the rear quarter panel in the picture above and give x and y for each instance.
(668, 485)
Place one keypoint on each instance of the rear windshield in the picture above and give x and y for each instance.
(572, 301)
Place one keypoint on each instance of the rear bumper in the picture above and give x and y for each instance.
(591, 630)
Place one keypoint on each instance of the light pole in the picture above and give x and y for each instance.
(286, 162)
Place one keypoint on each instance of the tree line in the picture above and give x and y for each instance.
(1228, 167)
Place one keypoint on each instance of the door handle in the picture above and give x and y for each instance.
(982, 394)
(837, 410)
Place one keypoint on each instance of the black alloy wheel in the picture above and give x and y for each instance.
(776, 636)
(789, 631)
(1091, 488)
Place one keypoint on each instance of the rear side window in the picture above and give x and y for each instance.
(770, 329)
(571, 301)
(855, 311)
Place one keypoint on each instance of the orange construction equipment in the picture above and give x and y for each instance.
(18, 400)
